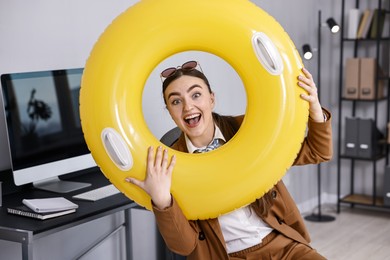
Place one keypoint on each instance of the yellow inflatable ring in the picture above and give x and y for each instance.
(245, 36)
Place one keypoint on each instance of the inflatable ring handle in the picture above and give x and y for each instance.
(267, 53)
(117, 149)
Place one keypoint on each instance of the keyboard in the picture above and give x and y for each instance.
(98, 193)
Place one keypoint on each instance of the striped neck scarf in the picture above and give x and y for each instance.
(217, 142)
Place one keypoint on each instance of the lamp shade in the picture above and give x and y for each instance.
(333, 26)
(307, 53)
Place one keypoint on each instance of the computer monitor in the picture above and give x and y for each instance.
(43, 126)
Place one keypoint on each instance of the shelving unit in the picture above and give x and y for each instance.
(347, 166)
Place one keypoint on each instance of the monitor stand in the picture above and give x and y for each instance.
(57, 185)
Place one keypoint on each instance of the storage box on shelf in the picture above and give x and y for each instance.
(363, 102)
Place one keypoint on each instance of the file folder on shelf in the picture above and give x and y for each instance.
(360, 79)
(362, 138)
(367, 138)
(368, 70)
(352, 67)
(386, 187)
(351, 136)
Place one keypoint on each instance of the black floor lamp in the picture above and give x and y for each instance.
(308, 54)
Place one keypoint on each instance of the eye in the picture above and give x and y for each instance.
(175, 102)
(196, 95)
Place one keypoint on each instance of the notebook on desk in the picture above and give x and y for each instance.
(49, 204)
(27, 212)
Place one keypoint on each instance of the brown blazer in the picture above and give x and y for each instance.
(203, 239)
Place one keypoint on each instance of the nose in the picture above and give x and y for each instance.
(187, 105)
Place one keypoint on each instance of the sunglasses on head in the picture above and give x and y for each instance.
(187, 66)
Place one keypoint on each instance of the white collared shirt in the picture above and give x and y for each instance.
(191, 148)
(241, 228)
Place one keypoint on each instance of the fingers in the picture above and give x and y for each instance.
(306, 82)
(150, 160)
(159, 157)
(135, 182)
(307, 74)
(172, 164)
(158, 170)
(160, 163)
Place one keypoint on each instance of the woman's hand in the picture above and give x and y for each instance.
(158, 178)
(306, 82)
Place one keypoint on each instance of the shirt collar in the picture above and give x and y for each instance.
(191, 148)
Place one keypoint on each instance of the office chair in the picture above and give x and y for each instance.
(171, 136)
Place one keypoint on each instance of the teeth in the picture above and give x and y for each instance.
(191, 116)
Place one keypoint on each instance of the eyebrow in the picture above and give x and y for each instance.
(189, 90)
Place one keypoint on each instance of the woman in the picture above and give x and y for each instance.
(269, 228)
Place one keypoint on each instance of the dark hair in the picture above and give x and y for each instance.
(180, 72)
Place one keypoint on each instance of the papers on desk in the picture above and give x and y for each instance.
(27, 212)
(49, 204)
(44, 208)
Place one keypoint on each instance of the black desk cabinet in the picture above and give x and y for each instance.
(25, 230)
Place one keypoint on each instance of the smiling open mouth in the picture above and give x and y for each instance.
(192, 120)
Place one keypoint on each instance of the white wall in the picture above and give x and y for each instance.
(45, 35)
